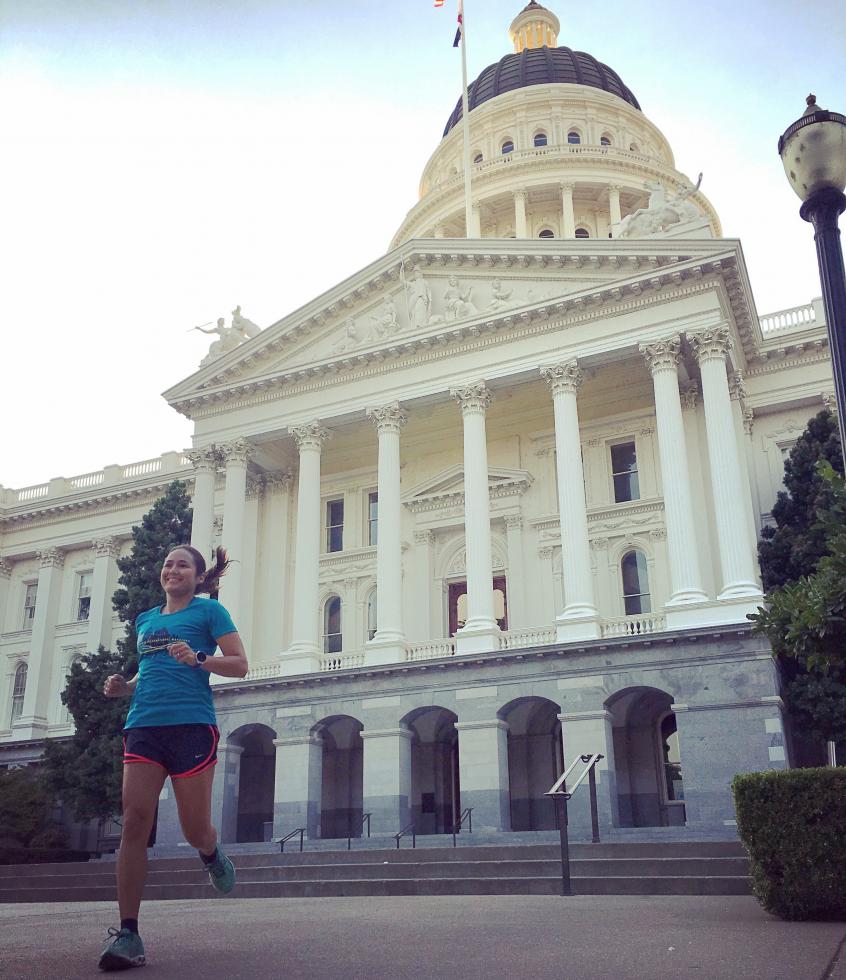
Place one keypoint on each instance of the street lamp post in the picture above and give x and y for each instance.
(813, 151)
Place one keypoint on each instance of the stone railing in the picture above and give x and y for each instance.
(535, 636)
(430, 650)
(175, 464)
(632, 625)
(795, 318)
(262, 671)
(340, 661)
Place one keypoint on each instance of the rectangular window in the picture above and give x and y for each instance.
(83, 601)
(335, 525)
(624, 472)
(29, 605)
(372, 519)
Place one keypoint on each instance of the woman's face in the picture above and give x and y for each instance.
(179, 573)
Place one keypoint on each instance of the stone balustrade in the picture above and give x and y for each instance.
(795, 318)
(537, 636)
(633, 625)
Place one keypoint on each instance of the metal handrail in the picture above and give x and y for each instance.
(409, 827)
(287, 837)
(365, 819)
(560, 792)
(457, 824)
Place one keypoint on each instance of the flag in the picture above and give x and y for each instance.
(439, 3)
(457, 40)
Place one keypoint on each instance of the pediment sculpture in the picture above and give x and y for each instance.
(240, 331)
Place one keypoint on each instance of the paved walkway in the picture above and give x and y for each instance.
(465, 938)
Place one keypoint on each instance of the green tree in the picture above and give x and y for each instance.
(85, 771)
(25, 807)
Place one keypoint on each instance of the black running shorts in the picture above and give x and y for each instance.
(181, 750)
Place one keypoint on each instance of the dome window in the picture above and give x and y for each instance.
(582, 233)
(507, 147)
(574, 137)
(547, 233)
(540, 139)
(634, 148)
(605, 140)
(478, 158)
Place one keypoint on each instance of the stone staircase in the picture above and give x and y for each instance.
(670, 867)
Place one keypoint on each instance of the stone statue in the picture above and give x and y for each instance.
(386, 319)
(457, 301)
(230, 337)
(419, 300)
(661, 212)
(499, 296)
(350, 339)
(244, 327)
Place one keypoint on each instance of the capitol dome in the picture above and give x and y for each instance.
(558, 148)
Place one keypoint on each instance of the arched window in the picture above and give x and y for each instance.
(633, 147)
(546, 233)
(508, 147)
(478, 158)
(604, 140)
(372, 621)
(332, 636)
(636, 598)
(18, 692)
(540, 139)
(574, 137)
(582, 233)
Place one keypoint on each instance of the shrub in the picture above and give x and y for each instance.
(52, 837)
(793, 823)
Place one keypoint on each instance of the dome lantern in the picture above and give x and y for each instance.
(534, 27)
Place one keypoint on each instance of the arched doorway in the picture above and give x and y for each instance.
(435, 792)
(256, 777)
(535, 761)
(342, 786)
(650, 781)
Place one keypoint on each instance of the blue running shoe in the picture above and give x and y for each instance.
(221, 872)
(123, 950)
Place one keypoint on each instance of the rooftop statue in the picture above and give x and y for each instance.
(661, 212)
(229, 337)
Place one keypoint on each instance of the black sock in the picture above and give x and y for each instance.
(130, 924)
(210, 858)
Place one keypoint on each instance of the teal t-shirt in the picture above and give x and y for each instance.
(168, 692)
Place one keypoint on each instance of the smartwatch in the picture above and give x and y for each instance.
(201, 657)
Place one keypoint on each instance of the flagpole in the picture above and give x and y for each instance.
(465, 112)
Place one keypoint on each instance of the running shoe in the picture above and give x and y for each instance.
(221, 872)
(123, 950)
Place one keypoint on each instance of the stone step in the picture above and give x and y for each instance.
(546, 885)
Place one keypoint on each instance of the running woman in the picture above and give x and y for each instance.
(171, 731)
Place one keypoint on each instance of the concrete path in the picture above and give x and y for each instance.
(463, 938)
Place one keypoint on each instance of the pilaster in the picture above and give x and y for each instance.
(204, 460)
(103, 584)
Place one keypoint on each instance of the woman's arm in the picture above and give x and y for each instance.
(233, 663)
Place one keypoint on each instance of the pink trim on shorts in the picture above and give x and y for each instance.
(205, 764)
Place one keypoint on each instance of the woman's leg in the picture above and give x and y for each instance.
(142, 784)
(193, 800)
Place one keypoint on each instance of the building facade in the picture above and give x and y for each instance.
(494, 500)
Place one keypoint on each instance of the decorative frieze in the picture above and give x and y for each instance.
(473, 398)
(311, 435)
(663, 355)
(563, 377)
(388, 418)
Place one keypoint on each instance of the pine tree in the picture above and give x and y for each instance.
(85, 771)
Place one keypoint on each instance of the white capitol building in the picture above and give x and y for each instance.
(494, 499)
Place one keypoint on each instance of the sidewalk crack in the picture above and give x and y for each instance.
(828, 972)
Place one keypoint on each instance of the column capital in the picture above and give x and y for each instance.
(5, 568)
(106, 547)
(50, 558)
(513, 520)
(399, 732)
(690, 395)
(566, 187)
(255, 488)
(388, 418)
(203, 459)
(520, 192)
(491, 723)
(279, 481)
(711, 344)
(662, 355)
(563, 377)
(310, 435)
(473, 398)
(424, 537)
(310, 738)
(615, 188)
(737, 386)
(236, 453)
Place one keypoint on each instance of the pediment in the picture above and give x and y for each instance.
(422, 296)
(447, 487)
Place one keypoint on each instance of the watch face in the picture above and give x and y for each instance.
(201, 657)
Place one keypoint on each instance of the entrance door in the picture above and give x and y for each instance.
(457, 600)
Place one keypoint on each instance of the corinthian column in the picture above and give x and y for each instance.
(737, 560)
(303, 652)
(662, 359)
(520, 214)
(103, 585)
(387, 645)
(568, 216)
(480, 632)
(579, 620)
(204, 461)
(235, 455)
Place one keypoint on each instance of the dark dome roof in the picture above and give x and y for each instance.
(542, 66)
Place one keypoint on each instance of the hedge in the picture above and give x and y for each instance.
(793, 824)
(41, 855)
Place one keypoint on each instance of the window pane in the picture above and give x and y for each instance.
(623, 458)
(335, 539)
(573, 137)
(507, 146)
(84, 609)
(540, 139)
(335, 512)
(623, 489)
(335, 525)
(373, 518)
(624, 470)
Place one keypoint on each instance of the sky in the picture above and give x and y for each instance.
(167, 160)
